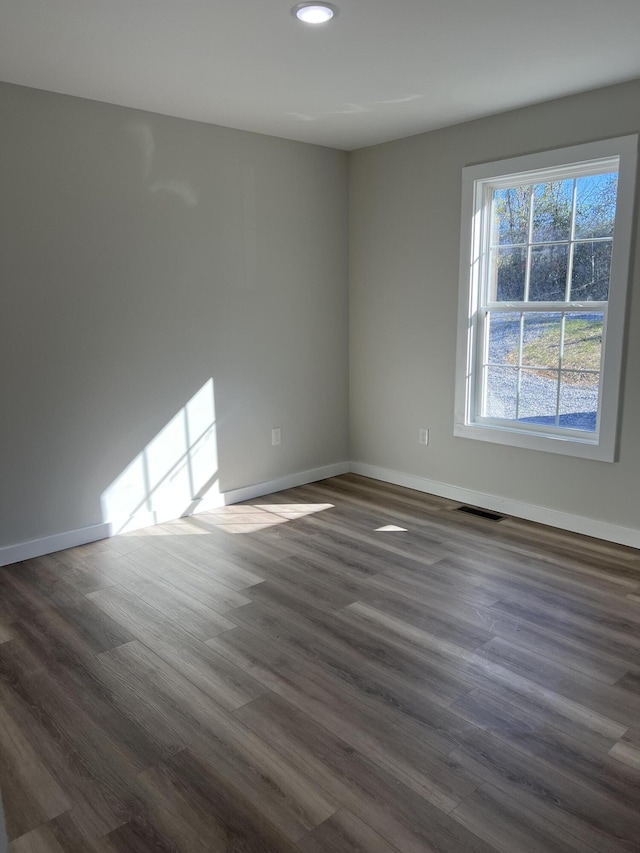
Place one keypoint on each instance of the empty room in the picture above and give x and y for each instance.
(319, 445)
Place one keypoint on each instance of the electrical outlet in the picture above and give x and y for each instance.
(276, 436)
(423, 436)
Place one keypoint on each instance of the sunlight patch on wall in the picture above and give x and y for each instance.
(176, 473)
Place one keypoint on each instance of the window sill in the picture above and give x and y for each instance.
(600, 451)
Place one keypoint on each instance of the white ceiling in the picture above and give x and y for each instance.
(379, 71)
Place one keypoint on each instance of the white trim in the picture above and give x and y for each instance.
(574, 160)
(551, 442)
(50, 544)
(518, 509)
(554, 518)
(70, 539)
(577, 156)
(301, 478)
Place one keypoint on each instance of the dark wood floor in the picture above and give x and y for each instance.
(284, 676)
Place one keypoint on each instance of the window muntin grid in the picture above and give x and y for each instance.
(535, 372)
(547, 227)
(556, 240)
(479, 181)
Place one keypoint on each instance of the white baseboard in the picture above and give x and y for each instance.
(49, 544)
(71, 538)
(530, 512)
(289, 482)
(554, 518)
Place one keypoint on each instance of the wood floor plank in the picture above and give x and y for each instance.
(143, 621)
(480, 669)
(40, 840)
(192, 579)
(619, 637)
(389, 667)
(292, 800)
(86, 785)
(631, 681)
(390, 808)
(598, 821)
(6, 632)
(627, 749)
(391, 596)
(31, 794)
(282, 675)
(61, 614)
(188, 807)
(511, 826)
(70, 836)
(359, 711)
(357, 635)
(611, 702)
(141, 836)
(213, 551)
(212, 673)
(563, 753)
(196, 618)
(76, 573)
(75, 682)
(344, 833)
(18, 656)
(298, 585)
(165, 635)
(414, 754)
(510, 570)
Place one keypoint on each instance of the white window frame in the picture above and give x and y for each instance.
(478, 183)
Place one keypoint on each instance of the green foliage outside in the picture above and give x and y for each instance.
(582, 349)
(551, 233)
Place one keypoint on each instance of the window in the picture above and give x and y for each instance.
(544, 269)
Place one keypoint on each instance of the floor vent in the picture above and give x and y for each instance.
(481, 513)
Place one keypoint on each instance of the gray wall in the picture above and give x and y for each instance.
(142, 256)
(404, 257)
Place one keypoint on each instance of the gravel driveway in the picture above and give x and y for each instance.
(578, 404)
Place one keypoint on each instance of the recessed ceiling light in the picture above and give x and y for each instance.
(314, 13)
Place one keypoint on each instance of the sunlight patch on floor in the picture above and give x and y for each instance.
(250, 519)
(244, 518)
